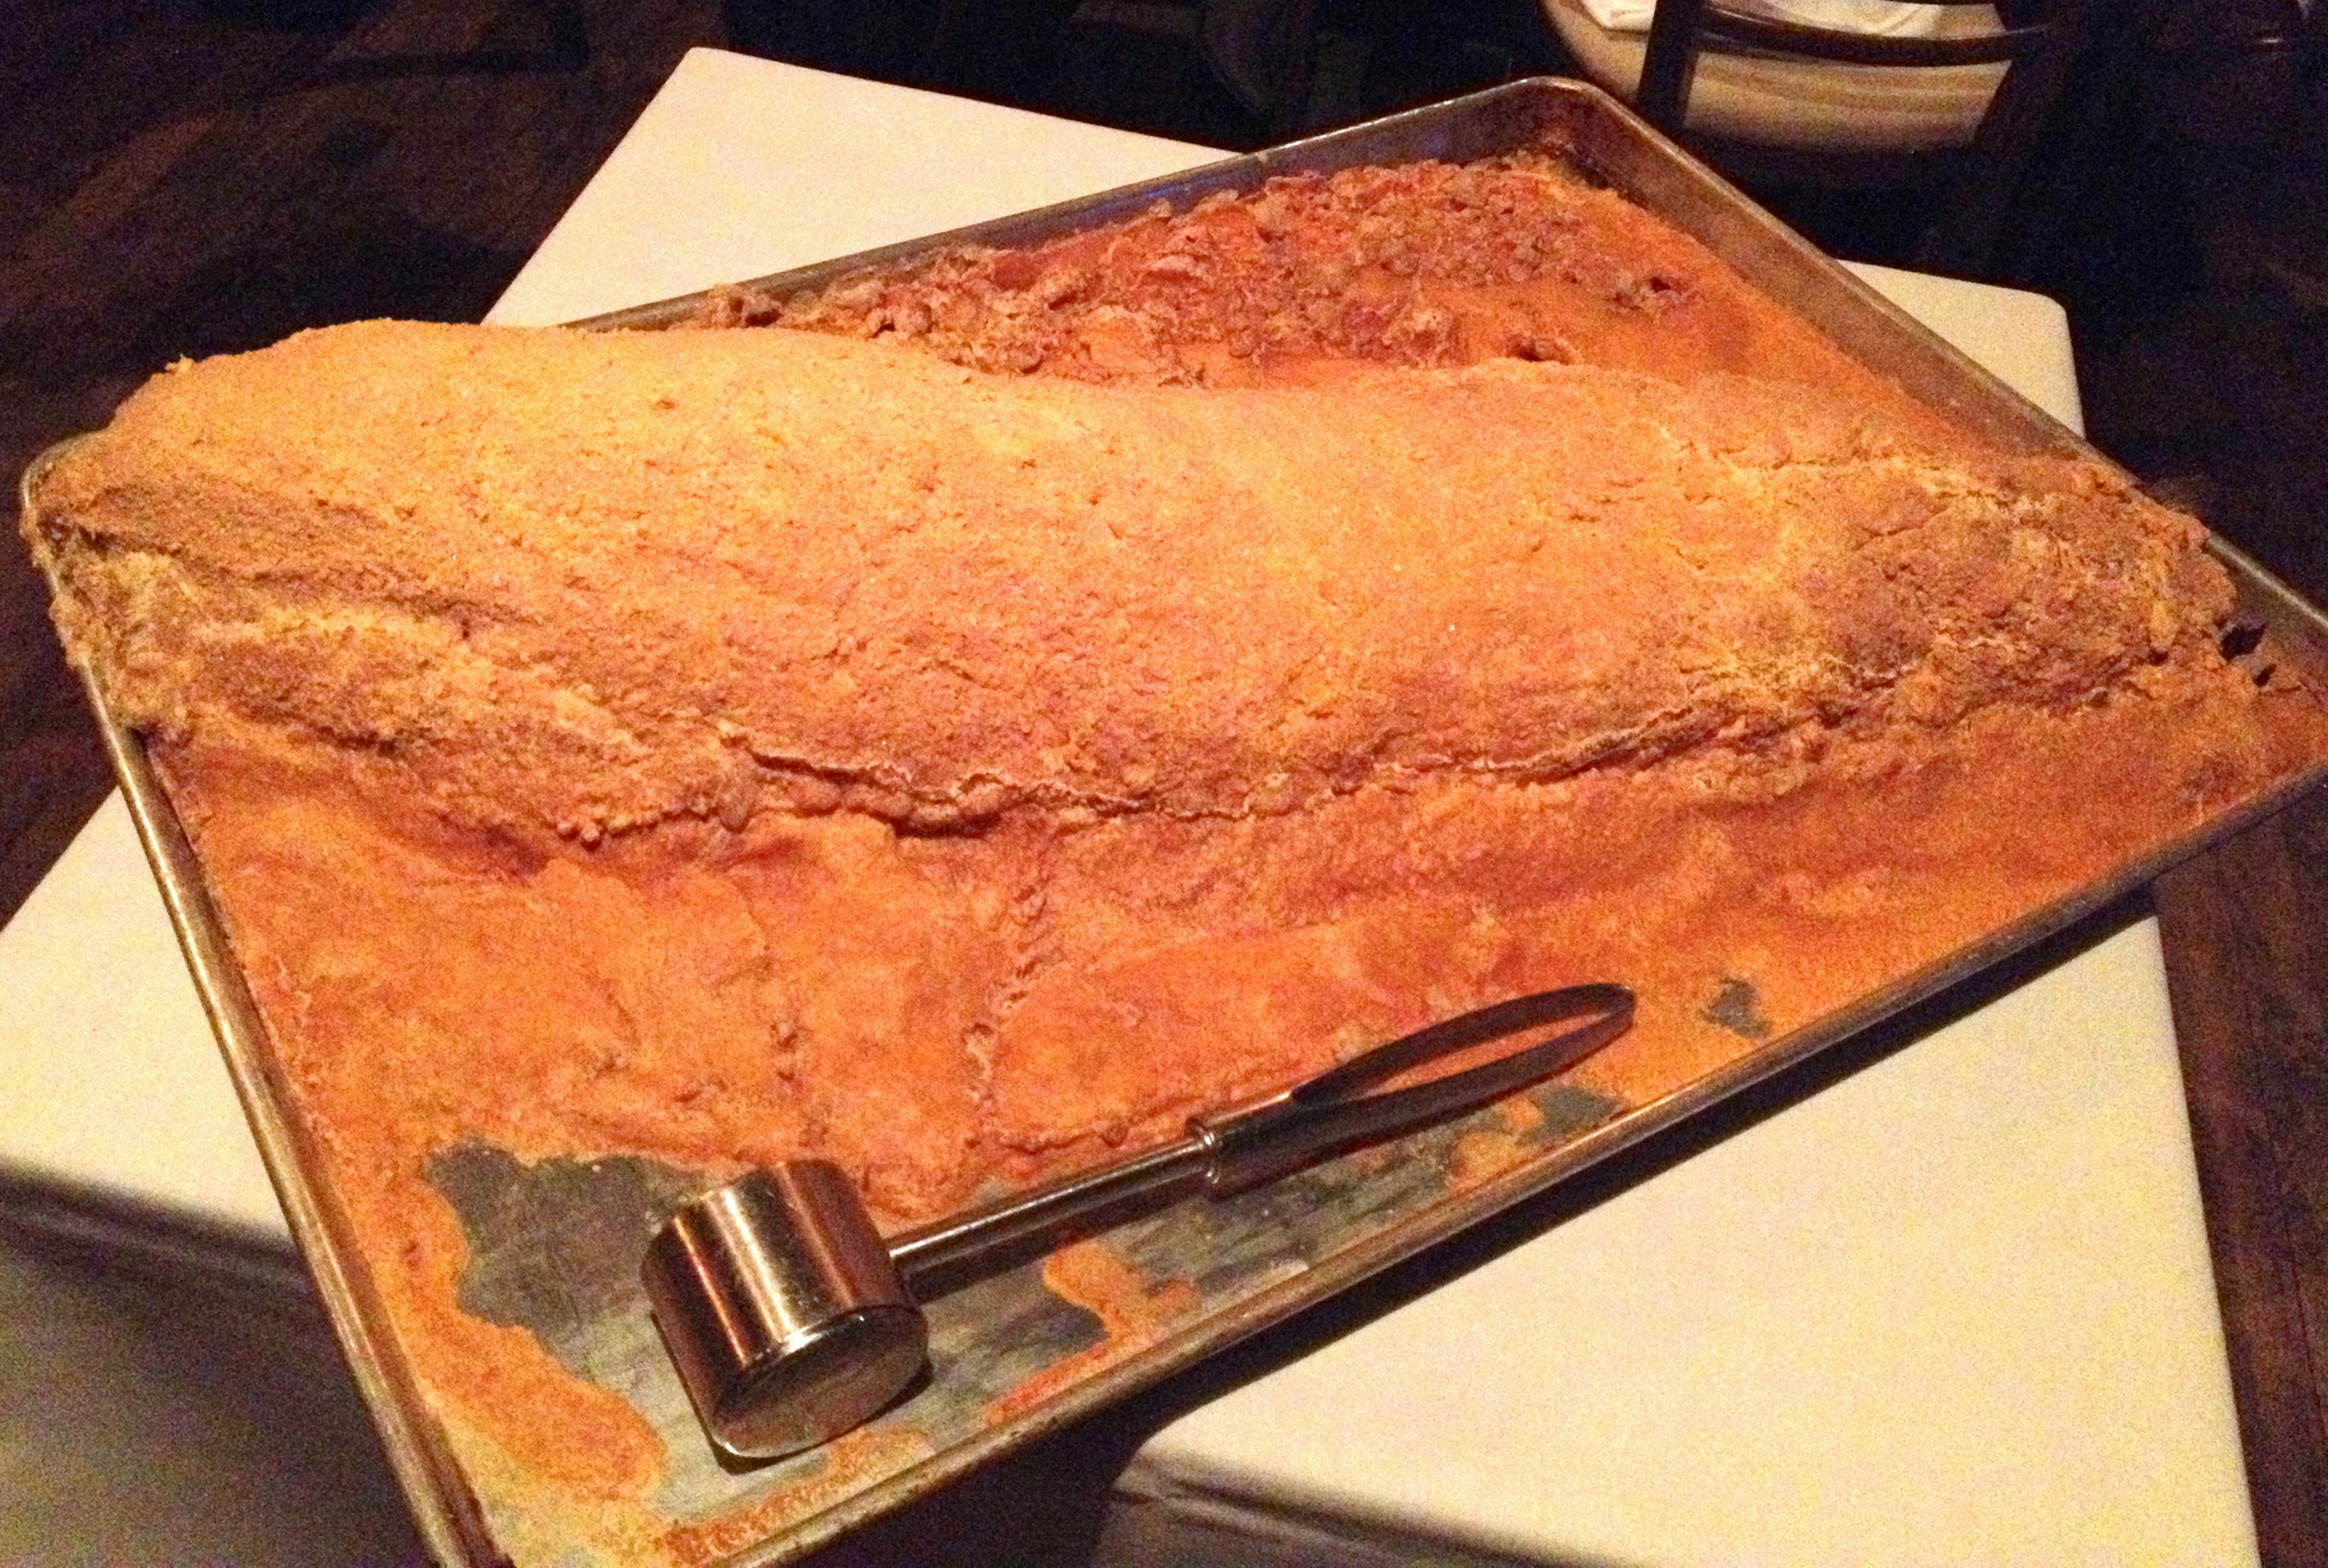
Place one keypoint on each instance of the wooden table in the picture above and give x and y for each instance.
(188, 186)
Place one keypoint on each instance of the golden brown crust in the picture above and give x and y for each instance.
(584, 582)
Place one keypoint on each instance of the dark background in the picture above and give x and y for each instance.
(180, 177)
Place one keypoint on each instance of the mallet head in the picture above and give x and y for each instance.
(782, 1309)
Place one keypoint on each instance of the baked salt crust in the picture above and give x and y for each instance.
(726, 746)
(1314, 276)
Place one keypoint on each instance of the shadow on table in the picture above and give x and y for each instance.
(156, 1409)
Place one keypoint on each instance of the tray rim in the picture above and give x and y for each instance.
(451, 1522)
(450, 1518)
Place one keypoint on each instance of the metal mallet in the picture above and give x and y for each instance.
(791, 1320)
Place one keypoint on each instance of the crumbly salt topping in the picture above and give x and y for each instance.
(582, 583)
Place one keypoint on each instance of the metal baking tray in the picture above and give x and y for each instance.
(1014, 1360)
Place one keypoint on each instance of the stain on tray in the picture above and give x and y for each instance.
(554, 1249)
(1736, 1007)
(547, 1242)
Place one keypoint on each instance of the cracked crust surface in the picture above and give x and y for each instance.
(1314, 278)
(578, 583)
